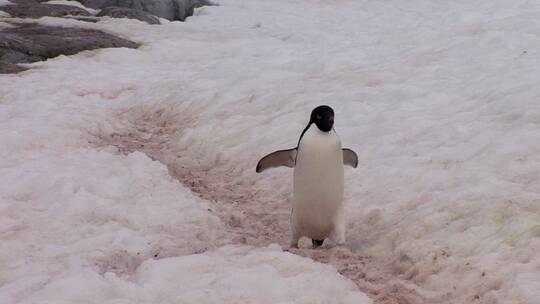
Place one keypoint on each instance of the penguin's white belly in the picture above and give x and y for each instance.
(318, 184)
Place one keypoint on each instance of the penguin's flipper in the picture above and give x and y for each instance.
(350, 158)
(285, 158)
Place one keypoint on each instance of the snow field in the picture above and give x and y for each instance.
(438, 99)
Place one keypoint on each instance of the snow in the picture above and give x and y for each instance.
(228, 275)
(439, 100)
(4, 25)
(80, 224)
(2, 13)
(73, 3)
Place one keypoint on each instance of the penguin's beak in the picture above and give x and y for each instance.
(330, 123)
(327, 124)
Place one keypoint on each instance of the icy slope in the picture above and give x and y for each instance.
(438, 99)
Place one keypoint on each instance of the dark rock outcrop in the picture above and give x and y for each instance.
(168, 9)
(10, 68)
(33, 9)
(139, 9)
(29, 42)
(95, 4)
(122, 12)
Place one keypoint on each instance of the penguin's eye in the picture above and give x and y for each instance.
(318, 116)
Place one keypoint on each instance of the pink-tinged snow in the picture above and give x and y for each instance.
(79, 224)
(439, 100)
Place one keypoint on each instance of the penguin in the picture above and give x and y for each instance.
(318, 161)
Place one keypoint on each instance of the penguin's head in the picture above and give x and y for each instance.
(323, 117)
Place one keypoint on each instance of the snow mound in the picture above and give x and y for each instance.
(228, 275)
(95, 209)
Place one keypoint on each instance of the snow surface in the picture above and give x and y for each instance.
(2, 13)
(4, 25)
(439, 100)
(73, 3)
(228, 275)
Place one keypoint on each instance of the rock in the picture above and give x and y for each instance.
(161, 8)
(184, 8)
(29, 42)
(12, 56)
(168, 9)
(30, 9)
(91, 19)
(95, 4)
(123, 12)
(10, 68)
(187, 7)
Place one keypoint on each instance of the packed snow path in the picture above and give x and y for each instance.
(254, 217)
(440, 100)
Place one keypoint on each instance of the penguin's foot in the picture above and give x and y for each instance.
(295, 238)
(317, 243)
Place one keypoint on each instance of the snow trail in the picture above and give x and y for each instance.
(433, 96)
(254, 217)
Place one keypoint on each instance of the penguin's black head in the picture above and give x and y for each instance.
(323, 117)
